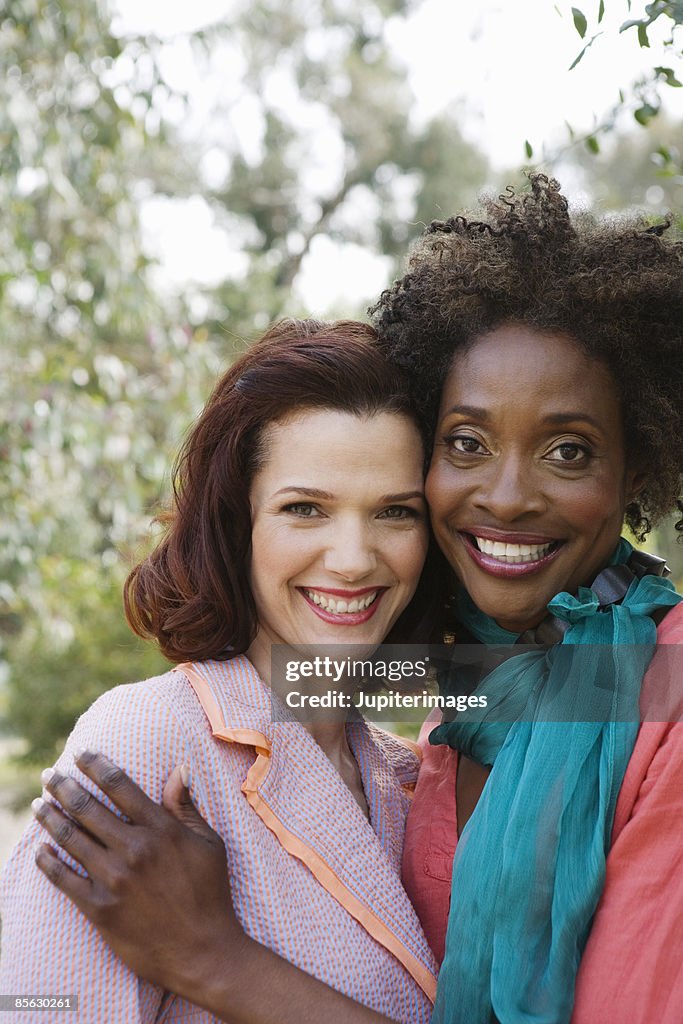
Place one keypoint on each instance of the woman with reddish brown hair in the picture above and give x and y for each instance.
(193, 595)
(298, 518)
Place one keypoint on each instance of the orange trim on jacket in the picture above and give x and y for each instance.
(248, 737)
(331, 882)
(321, 870)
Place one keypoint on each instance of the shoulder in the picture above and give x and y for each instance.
(661, 698)
(670, 629)
(180, 697)
(146, 728)
(234, 680)
(149, 704)
(651, 786)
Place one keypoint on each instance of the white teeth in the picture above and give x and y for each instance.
(513, 553)
(338, 606)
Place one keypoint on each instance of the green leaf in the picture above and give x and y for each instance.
(642, 35)
(580, 23)
(669, 76)
(672, 9)
(644, 114)
(528, 149)
(601, 11)
(586, 47)
(592, 144)
(577, 59)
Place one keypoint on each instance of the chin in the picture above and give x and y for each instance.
(514, 625)
(515, 618)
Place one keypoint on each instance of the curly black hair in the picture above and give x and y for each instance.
(615, 286)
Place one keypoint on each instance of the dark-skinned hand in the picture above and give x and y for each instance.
(157, 891)
(157, 888)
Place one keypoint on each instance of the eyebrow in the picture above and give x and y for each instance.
(556, 418)
(403, 496)
(310, 492)
(314, 492)
(469, 410)
(573, 417)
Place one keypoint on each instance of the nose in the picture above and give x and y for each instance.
(510, 490)
(351, 554)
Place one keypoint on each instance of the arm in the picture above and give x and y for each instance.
(48, 947)
(631, 968)
(161, 873)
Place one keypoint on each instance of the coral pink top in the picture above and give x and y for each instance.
(632, 967)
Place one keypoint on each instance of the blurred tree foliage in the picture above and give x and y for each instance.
(96, 381)
(642, 99)
(633, 169)
(100, 374)
(331, 146)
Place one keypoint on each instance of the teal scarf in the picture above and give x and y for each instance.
(530, 864)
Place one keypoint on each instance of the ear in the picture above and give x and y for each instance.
(636, 479)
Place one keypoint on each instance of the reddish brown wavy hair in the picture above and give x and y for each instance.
(192, 594)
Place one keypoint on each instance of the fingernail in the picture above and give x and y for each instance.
(185, 776)
(37, 805)
(46, 775)
(79, 752)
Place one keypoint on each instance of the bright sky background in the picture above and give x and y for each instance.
(500, 65)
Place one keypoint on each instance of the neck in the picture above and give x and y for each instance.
(259, 654)
(329, 735)
(331, 738)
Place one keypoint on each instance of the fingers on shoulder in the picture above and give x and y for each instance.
(125, 746)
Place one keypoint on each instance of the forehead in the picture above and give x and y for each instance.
(515, 366)
(326, 448)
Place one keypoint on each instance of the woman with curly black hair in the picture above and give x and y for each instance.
(543, 849)
(614, 286)
(556, 346)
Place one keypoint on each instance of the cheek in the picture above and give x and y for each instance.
(276, 555)
(596, 506)
(407, 555)
(444, 492)
(261, 553)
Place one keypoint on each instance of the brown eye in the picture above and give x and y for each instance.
(463, 444)
(569, 451)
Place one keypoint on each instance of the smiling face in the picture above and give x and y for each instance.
(528, 481)
(339, 529)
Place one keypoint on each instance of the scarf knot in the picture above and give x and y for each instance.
(574, 609)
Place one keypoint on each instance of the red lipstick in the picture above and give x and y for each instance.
(344, 618)
(508, 570)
